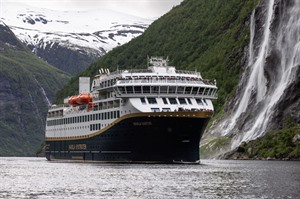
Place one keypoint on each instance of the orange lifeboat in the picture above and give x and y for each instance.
(81, 99)
(72, 101)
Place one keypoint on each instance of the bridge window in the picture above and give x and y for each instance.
(122, 89)
(195, 90)
(146, 89)
(201, 91)
(138, 89)
(188, 90)
(129, 89)
(163, 89)
(180, 89)
(172, 89)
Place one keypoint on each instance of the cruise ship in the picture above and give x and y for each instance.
(153, 115)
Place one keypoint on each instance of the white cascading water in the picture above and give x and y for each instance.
(260, 95)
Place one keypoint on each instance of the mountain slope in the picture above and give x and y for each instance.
(27, 86)
(71, 40)
(208, 36)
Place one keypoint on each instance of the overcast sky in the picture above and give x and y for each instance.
(142, 8)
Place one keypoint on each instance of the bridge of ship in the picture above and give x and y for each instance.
(133, 84)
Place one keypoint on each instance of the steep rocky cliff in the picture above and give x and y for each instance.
(28, 84)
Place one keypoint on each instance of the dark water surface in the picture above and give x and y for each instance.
(38, 178)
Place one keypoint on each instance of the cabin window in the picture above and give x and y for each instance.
(165, 100)
(172, 100)
(166, 110)
(151, 100)
(181, 100)
(155, 109)
(143, 100)
(199, 101)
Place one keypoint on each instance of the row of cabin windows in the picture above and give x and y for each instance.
(182, 101)
(163, 110)
(168, 90)
(85, 118)
(95, 127)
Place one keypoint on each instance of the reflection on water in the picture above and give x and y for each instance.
(38, 178)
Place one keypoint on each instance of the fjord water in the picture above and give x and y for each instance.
(38, 178)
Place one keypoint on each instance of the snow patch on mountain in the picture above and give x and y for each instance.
(92, 32)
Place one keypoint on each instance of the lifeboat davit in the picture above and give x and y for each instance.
(81, 99)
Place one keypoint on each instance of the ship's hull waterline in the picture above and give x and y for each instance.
(144, 137)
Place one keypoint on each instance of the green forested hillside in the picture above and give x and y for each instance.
(207, 36)
(26, 83)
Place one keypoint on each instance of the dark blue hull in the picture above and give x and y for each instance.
(136, 139)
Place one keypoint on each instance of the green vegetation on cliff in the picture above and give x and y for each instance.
(281, 144)
(207, 36)
(25, 82)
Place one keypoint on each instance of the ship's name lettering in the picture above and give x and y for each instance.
(142, 123)
(77, 147)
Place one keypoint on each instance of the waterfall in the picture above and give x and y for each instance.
(43, 92)
(272, 63)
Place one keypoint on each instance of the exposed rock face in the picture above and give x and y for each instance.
(296, 139)
(5, 37)
(66, 59)
(27, 85)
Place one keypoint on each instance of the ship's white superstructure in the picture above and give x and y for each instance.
(160, 88)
